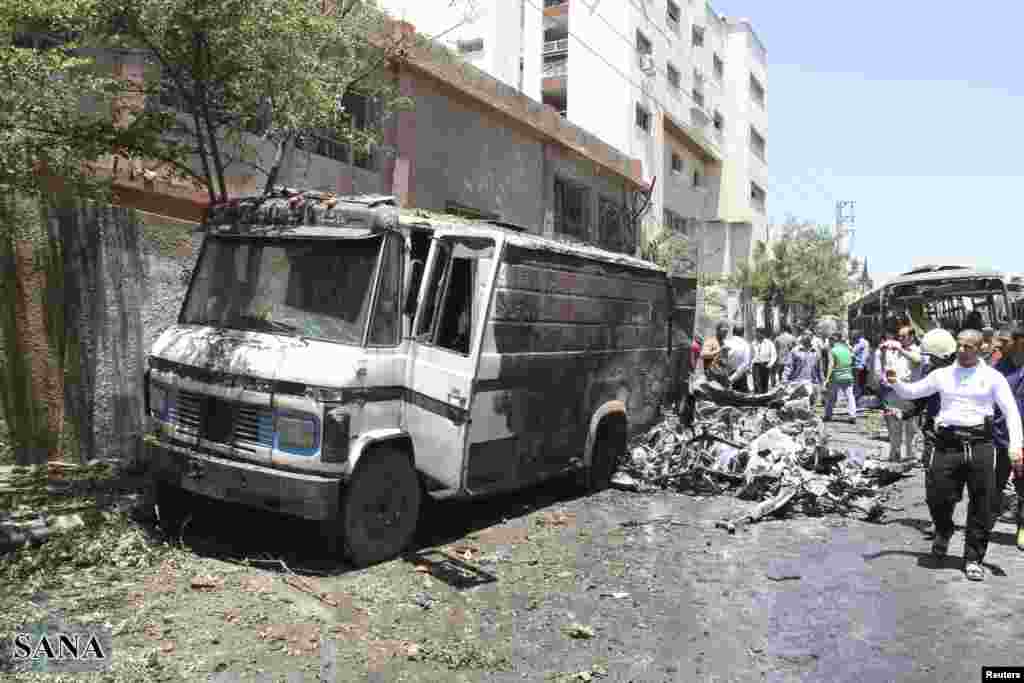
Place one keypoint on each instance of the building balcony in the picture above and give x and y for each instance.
(555, 69)
(554, 47)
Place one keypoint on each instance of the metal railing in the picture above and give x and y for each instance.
(553, 46)
(559, 68)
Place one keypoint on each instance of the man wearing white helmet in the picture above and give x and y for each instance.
(969, 391)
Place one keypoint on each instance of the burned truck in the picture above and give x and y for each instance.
(337, 360)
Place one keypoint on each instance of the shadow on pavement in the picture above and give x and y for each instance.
(274, 542)
(929, 561)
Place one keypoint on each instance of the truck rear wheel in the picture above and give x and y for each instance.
(609, 446)
(380, 508)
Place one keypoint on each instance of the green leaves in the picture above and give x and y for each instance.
(277, 67)
(804, 266)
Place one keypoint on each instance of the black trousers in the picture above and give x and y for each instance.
(1003, 476)
(762, 373)
(740, 385)
(953, 467)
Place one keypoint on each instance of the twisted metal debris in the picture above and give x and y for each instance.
(770, 448)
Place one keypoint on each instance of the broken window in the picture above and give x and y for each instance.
(456, 295)
(301, 287)
(384, 329)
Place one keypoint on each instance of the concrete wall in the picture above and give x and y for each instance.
(509, 29)
(599, 99)
(463, 154)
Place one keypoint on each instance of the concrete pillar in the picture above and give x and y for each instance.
(398, 168)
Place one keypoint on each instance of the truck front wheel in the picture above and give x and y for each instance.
(609, 447)
(380, 507)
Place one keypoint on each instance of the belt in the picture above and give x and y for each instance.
(964, 438)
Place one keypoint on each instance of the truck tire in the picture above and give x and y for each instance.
(609, 446)
(172, 507)
(380, 507)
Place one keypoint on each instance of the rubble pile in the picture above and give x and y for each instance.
(769, 448)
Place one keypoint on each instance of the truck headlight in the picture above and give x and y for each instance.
(297, 433)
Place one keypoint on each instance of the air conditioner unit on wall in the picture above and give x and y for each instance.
(647, 64)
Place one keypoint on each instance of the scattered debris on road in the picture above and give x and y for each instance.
(579, 631)
(766, 448)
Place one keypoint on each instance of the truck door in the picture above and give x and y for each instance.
(444, 353)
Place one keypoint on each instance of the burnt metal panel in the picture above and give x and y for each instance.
(493, 464)
(534, 306)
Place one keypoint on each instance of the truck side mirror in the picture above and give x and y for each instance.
(414, 287)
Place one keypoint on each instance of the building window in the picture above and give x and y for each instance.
(364, 114)
(677, 163)
(672, 75)
(756, 90)
(698, 36)
(643, 119)
(719, 121)
(719, 67)
(470, 46)
(672, 16)
(757, 143)
(673, 222)
(757, 196)
(614, 230)
(643, 44)
(572, 208)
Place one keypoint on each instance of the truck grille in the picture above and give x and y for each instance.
(220, 421)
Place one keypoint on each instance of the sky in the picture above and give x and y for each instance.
(912, 110)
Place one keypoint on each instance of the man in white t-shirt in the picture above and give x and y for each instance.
(963, 451)
(736, 356)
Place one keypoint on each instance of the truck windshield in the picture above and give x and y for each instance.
(310, 288)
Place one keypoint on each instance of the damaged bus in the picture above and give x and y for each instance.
(946, 296)
(338, 361)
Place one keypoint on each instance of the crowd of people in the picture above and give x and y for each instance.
(963, 390)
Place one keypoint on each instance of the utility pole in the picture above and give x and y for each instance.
(845, 221)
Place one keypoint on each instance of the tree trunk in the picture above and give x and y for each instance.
(275, 170)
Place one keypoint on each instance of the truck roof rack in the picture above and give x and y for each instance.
(291, 207)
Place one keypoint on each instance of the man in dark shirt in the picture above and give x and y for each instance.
(784, 343)
(1012, 367)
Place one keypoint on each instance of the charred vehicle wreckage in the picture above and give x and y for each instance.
(337, 359)
(770, 449)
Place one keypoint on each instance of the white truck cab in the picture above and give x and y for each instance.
(335, 361)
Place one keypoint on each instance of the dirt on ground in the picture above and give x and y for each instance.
(550, 585)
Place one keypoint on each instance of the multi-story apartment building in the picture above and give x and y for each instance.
(669, 82)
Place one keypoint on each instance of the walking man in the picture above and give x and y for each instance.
(803, 364)
(964, 453)
(1012, 368)
(861, 351)
(839, 378)
(903, 357)
(765, 357)
(784, 343)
